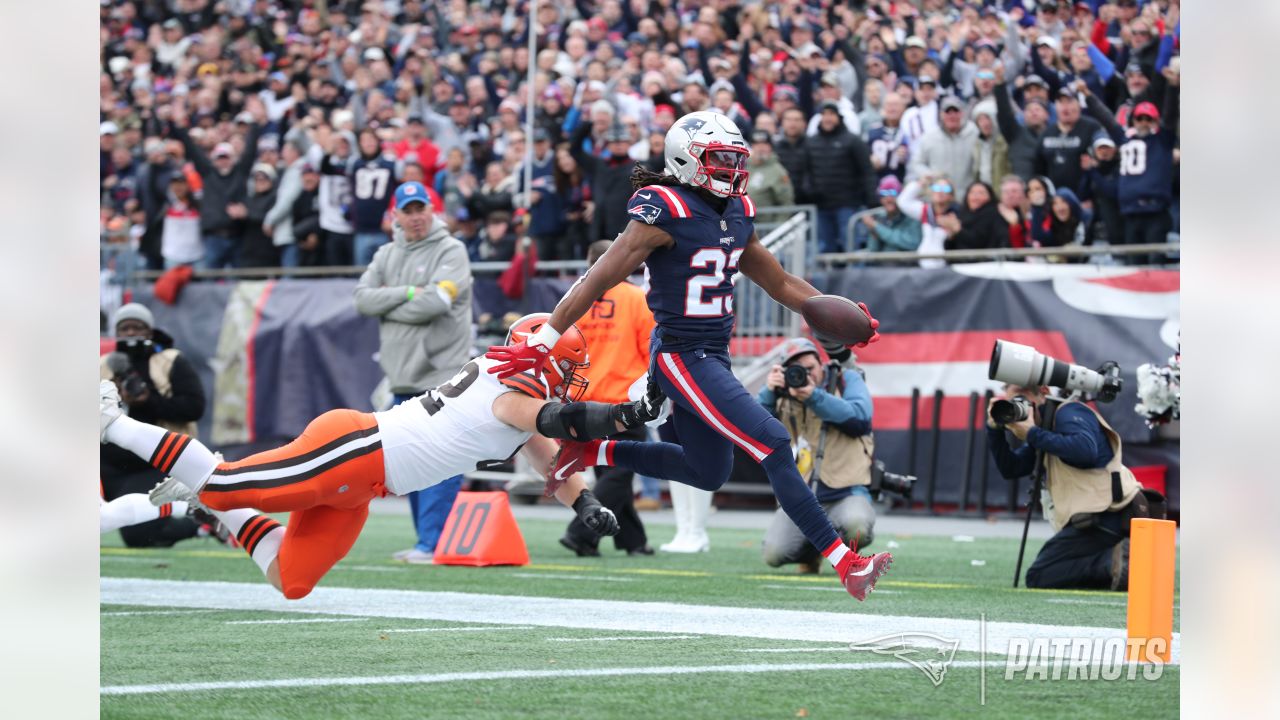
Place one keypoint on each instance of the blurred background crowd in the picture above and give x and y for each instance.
(260, 133)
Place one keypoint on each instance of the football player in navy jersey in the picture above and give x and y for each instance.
(694, 227)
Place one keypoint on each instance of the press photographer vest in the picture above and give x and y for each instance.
(159, 367)
(1078, 490)
(846, 460)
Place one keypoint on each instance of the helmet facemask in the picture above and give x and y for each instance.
(572, 384)
(722, 169)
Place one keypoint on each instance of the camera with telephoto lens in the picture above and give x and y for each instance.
(1014, 409)
(795, 376)
(1021, 365)
(122, 371)
(884, 481)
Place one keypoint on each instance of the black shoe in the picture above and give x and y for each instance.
(642, 550)
(581, 549)
(1120, 565)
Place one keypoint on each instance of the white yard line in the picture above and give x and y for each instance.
(371, 568)
(877, 591)
(846, 626)
(1076, 601)
(123, 613)
(556, 576)
(625, 637)
(290, 622)
(487, 628)
(502, 675)
(787, 651)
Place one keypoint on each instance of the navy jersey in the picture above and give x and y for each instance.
(373, 181)
(883, 143)
(1146, 173)
(691, 282)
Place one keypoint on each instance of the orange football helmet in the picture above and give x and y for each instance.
(566, 358)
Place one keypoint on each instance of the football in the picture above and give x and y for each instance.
(837, 319)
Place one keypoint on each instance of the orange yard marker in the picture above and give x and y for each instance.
(1152, 553)
(481, 531)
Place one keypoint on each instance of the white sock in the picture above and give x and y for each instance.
(135, 508)
(179, 456)
(258, 534)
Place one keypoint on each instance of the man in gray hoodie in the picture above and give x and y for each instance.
(419, 288)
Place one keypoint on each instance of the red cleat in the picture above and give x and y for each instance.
(572, 457)
(861, 577)
(859, 574)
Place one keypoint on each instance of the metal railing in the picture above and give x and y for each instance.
(761, 323)
(769, 219)
(856, 235)
(1070, 251)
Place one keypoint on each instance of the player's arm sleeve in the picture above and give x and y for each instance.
(1073, 439)
(1012, 464)
(372, 298)
(658, 206)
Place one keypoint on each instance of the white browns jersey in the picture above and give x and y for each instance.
(451, 429)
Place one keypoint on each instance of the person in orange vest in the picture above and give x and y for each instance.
(617, 332)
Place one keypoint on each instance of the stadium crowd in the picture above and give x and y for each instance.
(262, 133)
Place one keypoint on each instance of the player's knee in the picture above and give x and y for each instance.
(712, 469)
(296, 591)
(773, 435)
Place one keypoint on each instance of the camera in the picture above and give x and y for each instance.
(884, 481)
(1014, 409)
(795, 376)
(122, 371)
(1021, 365)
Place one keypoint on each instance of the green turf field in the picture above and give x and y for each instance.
(569, 643)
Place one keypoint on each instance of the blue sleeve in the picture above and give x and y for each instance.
(570, 121)
(1166, 49)
(1101, 63)
(1076, 439)
(1011, 463)
(851, 412)
(654, 207)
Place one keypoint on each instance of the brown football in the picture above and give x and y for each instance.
(837, 319)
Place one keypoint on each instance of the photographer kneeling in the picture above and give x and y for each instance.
(160, 386)
(1091, 495)
(814, 400)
